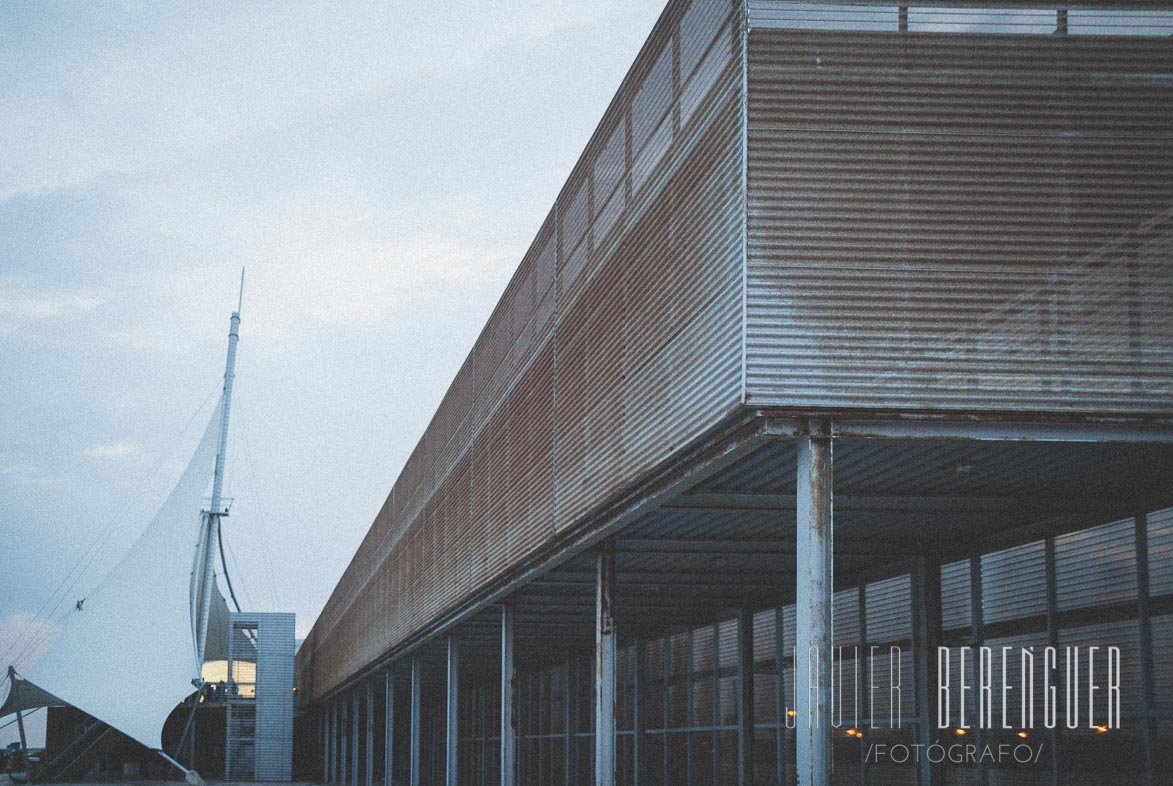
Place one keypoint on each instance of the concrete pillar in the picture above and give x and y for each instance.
(745, 697)
(388, 727)
(369, 770)
(605, 669)
(815, 548)
(417, 677)
(452, 715)
(508, 701)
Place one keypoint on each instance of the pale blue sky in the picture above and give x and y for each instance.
(379, 168)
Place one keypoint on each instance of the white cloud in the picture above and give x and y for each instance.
(28, 475)
(46, 306)
(119, 449)
(169, 82)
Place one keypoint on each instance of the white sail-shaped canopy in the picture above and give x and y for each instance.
(127, 657)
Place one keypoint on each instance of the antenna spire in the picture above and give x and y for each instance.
(240, 300)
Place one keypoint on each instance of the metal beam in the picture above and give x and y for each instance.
(452, 715)
(605, 669)
(745, 709)
(417, 676)
(508, 701)
(737, 547)
(815, 545)
(965, 504)
(1004, 431)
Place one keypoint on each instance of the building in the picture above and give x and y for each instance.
(857, 307)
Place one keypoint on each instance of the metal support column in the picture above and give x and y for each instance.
(1145, 623)
(745, 710)
(343, 742)
(640, 713)
(815, 546)
(605, 668)
(1052, 593)
(324, 741)
(417, 676)
(388, 727)
(334, 731)
(865, 661)
(780, 714)
(369, 772)
(569, 707)
(926, 631)
(977, 618)
(452, 715)
(508, 701)
(354, 712)
(24, 743)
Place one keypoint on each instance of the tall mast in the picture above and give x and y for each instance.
(211, 518)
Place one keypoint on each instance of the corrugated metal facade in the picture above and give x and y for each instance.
(975, 214)
(259, 738)
(881, 211)
(617, 341)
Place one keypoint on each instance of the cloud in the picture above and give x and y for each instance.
(46, 306)
(119, 449)
(149, 84)
(28, 475)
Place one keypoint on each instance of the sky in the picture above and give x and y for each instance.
(378, 168)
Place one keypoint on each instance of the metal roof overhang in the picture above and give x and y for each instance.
(712, 530)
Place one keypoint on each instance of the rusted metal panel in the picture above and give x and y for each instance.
(948, 221)
(617, 340)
